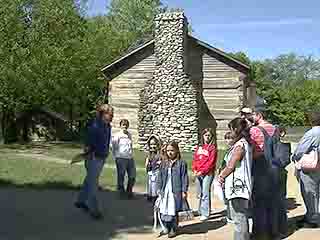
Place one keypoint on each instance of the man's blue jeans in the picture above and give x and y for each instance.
(203, 184)
(89, 190)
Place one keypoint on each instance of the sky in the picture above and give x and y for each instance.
(260, 28)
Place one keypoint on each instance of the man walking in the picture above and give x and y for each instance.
(97, 149)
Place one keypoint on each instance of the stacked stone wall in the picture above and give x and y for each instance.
(168, 101)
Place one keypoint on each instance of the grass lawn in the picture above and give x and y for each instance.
(18, 168)
(25, 172)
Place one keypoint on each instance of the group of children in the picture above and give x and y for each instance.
(167, 174)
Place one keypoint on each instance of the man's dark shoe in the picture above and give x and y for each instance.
(96, 215)
(123, 195)
(130, 195)
(82, 206)
(310, 225)
(172, 233)
(303, 223)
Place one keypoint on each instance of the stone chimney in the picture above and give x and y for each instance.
(168, 102)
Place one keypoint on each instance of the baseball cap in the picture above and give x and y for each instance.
(246, 110)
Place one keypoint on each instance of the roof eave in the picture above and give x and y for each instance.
(106, 68)
(220, 52)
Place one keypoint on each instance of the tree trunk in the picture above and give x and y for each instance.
(2, 126)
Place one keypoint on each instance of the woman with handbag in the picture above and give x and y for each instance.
(237, 178)
(306, 158)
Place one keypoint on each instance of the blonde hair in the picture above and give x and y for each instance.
(104, 108)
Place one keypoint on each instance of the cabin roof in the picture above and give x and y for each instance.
(107, 70)
(48, 112)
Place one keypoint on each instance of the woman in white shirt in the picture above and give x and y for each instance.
(237, 179)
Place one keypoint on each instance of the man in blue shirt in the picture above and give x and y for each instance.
(97, 149)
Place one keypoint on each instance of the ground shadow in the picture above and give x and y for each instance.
(292, 225)
(292, 204)
(45, 211)
(54, 185)
(202, 227)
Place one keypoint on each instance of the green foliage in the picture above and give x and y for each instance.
(289, 86)
(288, 83)
(51, 53)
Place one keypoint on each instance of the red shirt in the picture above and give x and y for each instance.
(205, 159)
(257, 137)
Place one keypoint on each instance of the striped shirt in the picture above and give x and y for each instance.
(257, 137)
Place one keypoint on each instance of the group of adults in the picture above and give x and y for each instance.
(253, 184)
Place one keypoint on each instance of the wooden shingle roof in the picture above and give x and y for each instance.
(107, 70)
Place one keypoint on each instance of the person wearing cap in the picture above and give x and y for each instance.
(247, 114)
(97, 148)
(269, 214)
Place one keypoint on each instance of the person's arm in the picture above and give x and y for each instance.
(146, 161)
(194, 160)
(237, 156)
(160, 180)
(304, 146)
(92, 138)
(185, 179)
(114, 145)
(130, 137)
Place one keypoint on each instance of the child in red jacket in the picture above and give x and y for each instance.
(203, 167)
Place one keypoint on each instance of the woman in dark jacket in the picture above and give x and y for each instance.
(173, 187)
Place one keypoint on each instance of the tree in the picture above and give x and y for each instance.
(132, 20)
(290, 69)
(13, 54)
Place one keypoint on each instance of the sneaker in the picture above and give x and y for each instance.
(203, 218)
(230, 221)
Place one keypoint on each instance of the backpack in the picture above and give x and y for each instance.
(276, 152)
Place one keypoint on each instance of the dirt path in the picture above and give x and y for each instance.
(28, 214)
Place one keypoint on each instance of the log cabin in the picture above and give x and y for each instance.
(175, 85)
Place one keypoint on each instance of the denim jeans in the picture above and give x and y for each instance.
(89, 190)
(203, 184)
(239, 214)
(126, 166)
(310, 190)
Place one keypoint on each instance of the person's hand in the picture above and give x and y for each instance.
(198, 174)
(86, 149)
(184, 195)
(220, 179)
